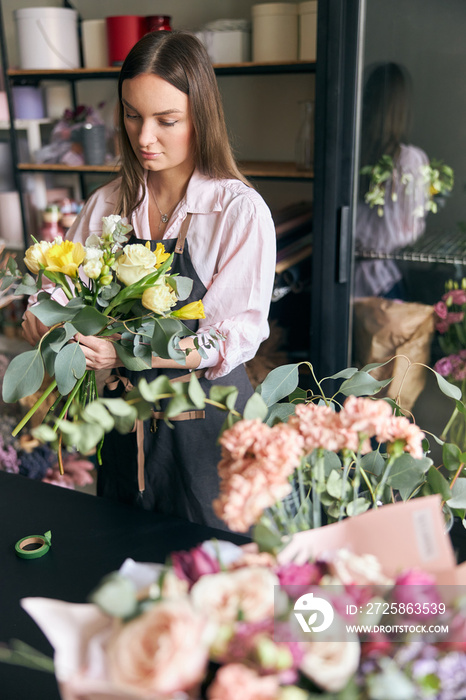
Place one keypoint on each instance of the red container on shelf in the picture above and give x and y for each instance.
(156, 23)
(123, 31)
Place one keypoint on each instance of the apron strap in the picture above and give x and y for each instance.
(112, 383)
(182, 235)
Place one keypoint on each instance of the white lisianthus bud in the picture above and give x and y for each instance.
(159, 299)
(93, 269)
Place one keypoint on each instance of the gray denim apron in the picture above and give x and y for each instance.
(177, 466)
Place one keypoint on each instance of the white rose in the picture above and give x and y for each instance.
(223, 596)
(358, 569)
(159, 299)
(136, 262)
(330, 664)
(93, 269)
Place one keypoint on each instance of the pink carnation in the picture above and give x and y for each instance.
(320, 427)
(242, 499)
(365, 416)
(235, 681)
(400, 428)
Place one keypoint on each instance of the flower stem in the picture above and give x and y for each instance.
(32, 410)
(69, 401)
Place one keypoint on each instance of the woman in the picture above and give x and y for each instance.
(385, 125)
(179, 184)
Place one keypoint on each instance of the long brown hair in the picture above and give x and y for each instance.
(181, 59)
(386, 113)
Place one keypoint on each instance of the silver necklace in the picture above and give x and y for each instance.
(163, 217)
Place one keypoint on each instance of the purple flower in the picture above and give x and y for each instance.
(194, 564)
(444, 366)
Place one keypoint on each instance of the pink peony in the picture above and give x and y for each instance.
(237, 681)
(227, 596)
(417, 588)
(191, 565)
(162, 651)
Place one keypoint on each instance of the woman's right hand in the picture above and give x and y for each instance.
(32, 328)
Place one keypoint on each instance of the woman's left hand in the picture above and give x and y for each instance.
(100, 352)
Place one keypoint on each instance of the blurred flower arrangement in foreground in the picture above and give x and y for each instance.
(218, 622)
(451, 328)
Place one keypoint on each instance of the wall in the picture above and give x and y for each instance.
(263, 112)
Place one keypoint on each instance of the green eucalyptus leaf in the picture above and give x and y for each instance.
(451, 455)
(96, 412)
(151, 391)
(447, 388)
(438, 483)
(178, 404)
(408, 473)
(458, 499)
(334, 485)
(50, 312)
(360, 505)
(343, 374)
(164, 331)
(182, 286)
(195, 391)
(279, 383)
(24, 376)
(226, 395)
(267, 538)
(45, 433)
(373, 463)
(279, 413)
(136, 364)
(70, 365)
(60, 336)
(174, 351)
(255, 408)
(89, 321)
(363, 384)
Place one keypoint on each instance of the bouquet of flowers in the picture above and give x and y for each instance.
(221, 622)
(124, 294)
(298, 459)
(437, 178)
(451, 328)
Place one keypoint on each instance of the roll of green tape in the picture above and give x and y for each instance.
(33, 546)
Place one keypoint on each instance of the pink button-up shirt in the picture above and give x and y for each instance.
(232, 245)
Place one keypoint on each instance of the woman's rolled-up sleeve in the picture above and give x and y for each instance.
(237, 301)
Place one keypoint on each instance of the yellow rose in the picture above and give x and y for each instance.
(35, 256)
(190, 311)
(159, 299)
(65, 257)
(136, 262)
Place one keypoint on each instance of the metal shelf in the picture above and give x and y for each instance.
(434, 247)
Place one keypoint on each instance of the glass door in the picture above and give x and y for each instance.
(409, 218)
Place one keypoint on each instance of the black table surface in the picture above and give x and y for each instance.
(90, 538)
